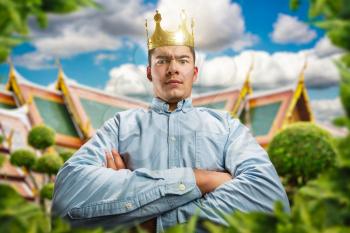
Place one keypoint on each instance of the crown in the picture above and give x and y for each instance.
(162, 37)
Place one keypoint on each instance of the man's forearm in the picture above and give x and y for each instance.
(123, 195)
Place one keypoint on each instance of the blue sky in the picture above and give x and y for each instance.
(259, 17)
(107, 49)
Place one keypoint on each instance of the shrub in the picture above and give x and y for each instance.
(18, 215)
(23, 158)
(300, 152)
(47, 191)
(66, 154)
(41, 137)
(49, 164)
(1, 138)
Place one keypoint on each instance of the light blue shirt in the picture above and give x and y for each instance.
(160, 149)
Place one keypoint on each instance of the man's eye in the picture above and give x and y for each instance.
(183, 61)
(162, 61)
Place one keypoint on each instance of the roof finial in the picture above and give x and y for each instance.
(302, 72)
(251, 67)
(60, 69)
(12, 67)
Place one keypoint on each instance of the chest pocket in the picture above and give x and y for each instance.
(210, 150)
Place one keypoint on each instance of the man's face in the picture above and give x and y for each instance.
(172, 73)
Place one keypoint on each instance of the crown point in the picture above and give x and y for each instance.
(157, 17)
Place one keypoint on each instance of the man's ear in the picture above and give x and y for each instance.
(149, 75)
(195, 73)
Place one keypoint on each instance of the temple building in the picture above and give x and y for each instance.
(75, 112)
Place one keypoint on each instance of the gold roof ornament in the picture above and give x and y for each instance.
(162, 37)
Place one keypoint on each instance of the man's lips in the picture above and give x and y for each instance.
(174, 81)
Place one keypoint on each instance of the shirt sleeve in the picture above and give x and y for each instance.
(87, 193)
(255, 186)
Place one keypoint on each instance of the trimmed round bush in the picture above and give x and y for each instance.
(301, 151)
(49, 164)
(41, 137)
(23, 158)
(47, 191)
(2, 159)
(66, 154)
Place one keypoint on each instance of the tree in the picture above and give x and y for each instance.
(15, 14)
(41, 137)
(300, 153)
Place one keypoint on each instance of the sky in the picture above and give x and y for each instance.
(106, 48)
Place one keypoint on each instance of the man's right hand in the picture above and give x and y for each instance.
(208, 181)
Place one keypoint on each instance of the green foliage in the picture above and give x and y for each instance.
(2, 159)
(301, 152)
(294, 4)
(345, 87)
(1, 138)
(46, 191)
(63, 6)
(41, 137)
(15, 15)
(18, 215)
(66, 154)
(49, 164)
(344, 151)
(23, 158)
(341, 122)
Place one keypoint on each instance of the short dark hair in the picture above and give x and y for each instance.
(150, 52)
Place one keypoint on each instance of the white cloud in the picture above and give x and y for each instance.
(326, 110)
(270, 70)
(35, 61)
(324, 48)
(128, 79)
(92, 30)
(288, 29)
(72, 42)
(218, 24)
(99, 58)
(248, 40)
(86, 31)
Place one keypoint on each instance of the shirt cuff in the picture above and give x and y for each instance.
(180, 181)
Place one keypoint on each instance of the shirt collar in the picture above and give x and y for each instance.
(162, 106)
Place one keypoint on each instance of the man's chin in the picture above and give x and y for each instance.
(175, 99)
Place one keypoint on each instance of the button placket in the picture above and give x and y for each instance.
(171, 141)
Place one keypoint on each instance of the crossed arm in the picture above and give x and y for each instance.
(89, 194)
(207, 181)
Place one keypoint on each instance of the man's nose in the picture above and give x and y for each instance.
(172, 69)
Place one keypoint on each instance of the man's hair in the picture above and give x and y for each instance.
(150, 52)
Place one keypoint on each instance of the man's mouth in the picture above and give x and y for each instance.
(174, 81)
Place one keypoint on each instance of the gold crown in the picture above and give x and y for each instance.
(162, 37)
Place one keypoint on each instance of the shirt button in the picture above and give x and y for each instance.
(173, 139)
(128, 205)
(182, 187)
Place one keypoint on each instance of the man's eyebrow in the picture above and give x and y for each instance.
(168, 57)
(162, 57)
(182, 56)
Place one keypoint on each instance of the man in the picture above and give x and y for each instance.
(162, 165)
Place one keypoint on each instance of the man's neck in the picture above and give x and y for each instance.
(172, 106)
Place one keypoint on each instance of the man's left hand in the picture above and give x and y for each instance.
(114, 160)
